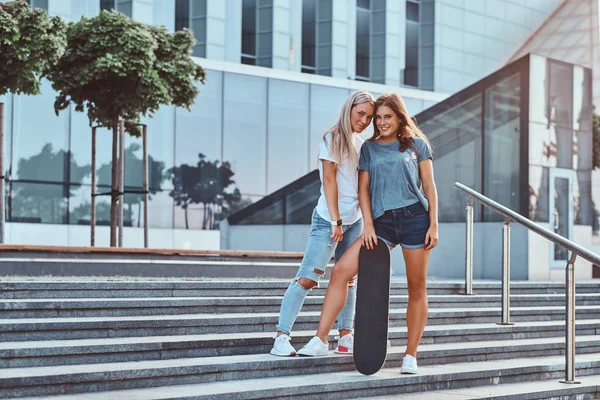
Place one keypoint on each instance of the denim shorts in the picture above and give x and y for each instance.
(406, 226)
(321, 247)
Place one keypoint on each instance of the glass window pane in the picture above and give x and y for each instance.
(199, 29)
(38, 203)
(326, 103)
(412, 11)
(107, 4)
(582, 97)
(583, 150)
(560, 94)
(182, 14)
(502, 144)
(249, 27)
(40, 138)
(308, 32)
(363, 4)
(244, 131)
(582, 202)
(198, 8)
(363, 31)
(300, 203)
(199, 130)
(288, 129)
(125, 7)
(538, 193)
(455, 136)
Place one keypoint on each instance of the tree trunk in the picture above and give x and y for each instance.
(114, 183)
(139, 213)
(204, 216)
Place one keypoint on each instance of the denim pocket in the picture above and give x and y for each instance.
(416, 210)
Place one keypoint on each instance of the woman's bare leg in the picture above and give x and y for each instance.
(337, 290)
(416, 261)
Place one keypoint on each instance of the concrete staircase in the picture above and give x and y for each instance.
(190, 339)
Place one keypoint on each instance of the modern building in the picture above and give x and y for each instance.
(277, 74)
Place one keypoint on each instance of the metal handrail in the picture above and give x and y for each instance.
(575, 249)
(529, 224)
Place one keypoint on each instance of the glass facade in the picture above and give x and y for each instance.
(317, 25)
(516, 136)
(370, 41)
(122, 6)
(191, 14)
(245, 137)
(257, 32)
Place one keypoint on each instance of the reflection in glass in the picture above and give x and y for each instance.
(455, 136)
(583, 108)
(199, 130)
(560, 216)
(37, 127)
(582, 198)
(244, 131)
(363, 36)
(538, 193)
(559, 105)
(288, 129)
(541, 149)
(502, 143)
(309, 16)
(38, 203)
(249, 32)
(300, 203)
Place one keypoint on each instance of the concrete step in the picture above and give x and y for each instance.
(587, 389)
(263, 376)
(44, 308)
(160, 325)
(82, 351)
(30, 289)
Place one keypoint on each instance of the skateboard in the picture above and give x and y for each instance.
(372, 308)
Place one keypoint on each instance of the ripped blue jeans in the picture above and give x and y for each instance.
(319, 251)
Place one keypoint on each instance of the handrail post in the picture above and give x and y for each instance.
(469, 250)
(506, 274)
(570, 322)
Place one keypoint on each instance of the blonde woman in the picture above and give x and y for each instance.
(336, 221)
(398, 199)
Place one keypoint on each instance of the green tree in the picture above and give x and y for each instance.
(117, 68)
(30, 43)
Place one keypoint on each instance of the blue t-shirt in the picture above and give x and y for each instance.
(394, 176)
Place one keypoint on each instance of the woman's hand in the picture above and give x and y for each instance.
(431, 239)
(368, 237)
(337, 234)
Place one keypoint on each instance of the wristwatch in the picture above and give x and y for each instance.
(336, 222)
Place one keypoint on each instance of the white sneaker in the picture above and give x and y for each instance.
(282, 347)
(345, 344)
(409, 365)
(314, 348)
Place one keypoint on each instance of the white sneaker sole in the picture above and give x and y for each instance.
(276, 353)
(408, 371)
(310, 355)
(342, 352)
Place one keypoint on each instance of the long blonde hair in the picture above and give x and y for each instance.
(408, 129)
(342, 142)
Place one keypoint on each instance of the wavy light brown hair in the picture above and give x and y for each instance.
(408, 129)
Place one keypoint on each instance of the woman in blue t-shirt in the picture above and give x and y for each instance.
(398, 200)
(336, 222)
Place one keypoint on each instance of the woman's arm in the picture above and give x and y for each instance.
(330, 188)
(364, 200)
(426, 172)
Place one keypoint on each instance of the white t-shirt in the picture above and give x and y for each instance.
(347, 183)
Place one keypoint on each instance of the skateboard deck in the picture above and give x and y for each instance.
(372, 309)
